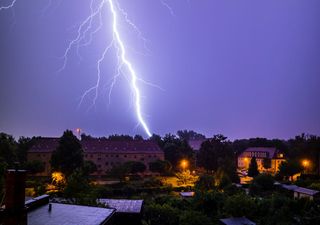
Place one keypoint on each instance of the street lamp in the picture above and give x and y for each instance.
(184, 164)
(305, 164)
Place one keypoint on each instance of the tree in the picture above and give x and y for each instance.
(8, 148)
(160, 166)
(35, 166)
(194, 218)
(69, 154)
(253, 168)
(240, 205)
(266, 163)
(289, 168)
(175, 150)
(262, 183)
(135, 167)
(89, 167)
(138, 138)
(156, 214)
(188, 135)
(186, 178)
(214, 153)
(205, 183)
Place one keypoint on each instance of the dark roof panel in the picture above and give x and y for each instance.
(69, 215)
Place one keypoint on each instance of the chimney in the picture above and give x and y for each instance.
(15, 210)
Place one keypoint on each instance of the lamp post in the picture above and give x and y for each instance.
(305, 164)
(184, 164)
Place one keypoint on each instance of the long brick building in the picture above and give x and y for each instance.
(104, 153)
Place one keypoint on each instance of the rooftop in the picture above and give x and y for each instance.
(237, 221)
(124, 205)
(271, 152)
(99, 145)
(69, 215)
(96, 144)
(302, 190)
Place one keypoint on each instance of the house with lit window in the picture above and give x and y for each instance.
(273, 155)
(103, 152)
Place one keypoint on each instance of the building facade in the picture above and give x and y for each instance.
(261, 153)
(103, 152)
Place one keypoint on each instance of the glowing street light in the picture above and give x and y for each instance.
(184, 164)
(306, 163)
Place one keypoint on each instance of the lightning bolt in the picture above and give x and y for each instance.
(85, 32)
(84, 37)
(8, 6)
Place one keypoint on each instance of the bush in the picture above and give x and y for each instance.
(240, 205)
(155, 214)
(262, 183)
(194, 218)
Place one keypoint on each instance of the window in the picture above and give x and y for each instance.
(125, 156)
(107, 163)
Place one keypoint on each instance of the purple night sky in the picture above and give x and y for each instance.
(240, 68)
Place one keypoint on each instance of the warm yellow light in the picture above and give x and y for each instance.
(184, 164)
(305, 163)
(58, 178)
(246, 159)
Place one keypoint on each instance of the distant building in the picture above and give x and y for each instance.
(261, 153)
(236, 221)
(104, 153)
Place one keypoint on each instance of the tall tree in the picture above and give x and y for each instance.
(214, 153)
(69, 154)
(253, 168)
(188, 135)
(290, 168)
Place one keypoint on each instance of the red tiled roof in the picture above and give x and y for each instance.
(271, 152)
(99, 145)
(45, 144)
(104, 145)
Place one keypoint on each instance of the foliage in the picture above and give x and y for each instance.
(160, 166)
(35, 166)
(253, 168)
(262, 183)
(194, 218)
(176, 149)
(77, 185)
(209, 202)
(8, 148)
(188, 135)
(266, 163)
(69, 154)
(216, 153)
(289, 168)
(59, 180)
(135, 167)
(186, 178)
(222, 180)
(155, 214)
(240, 205)
(89, 167)
(205, 183)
